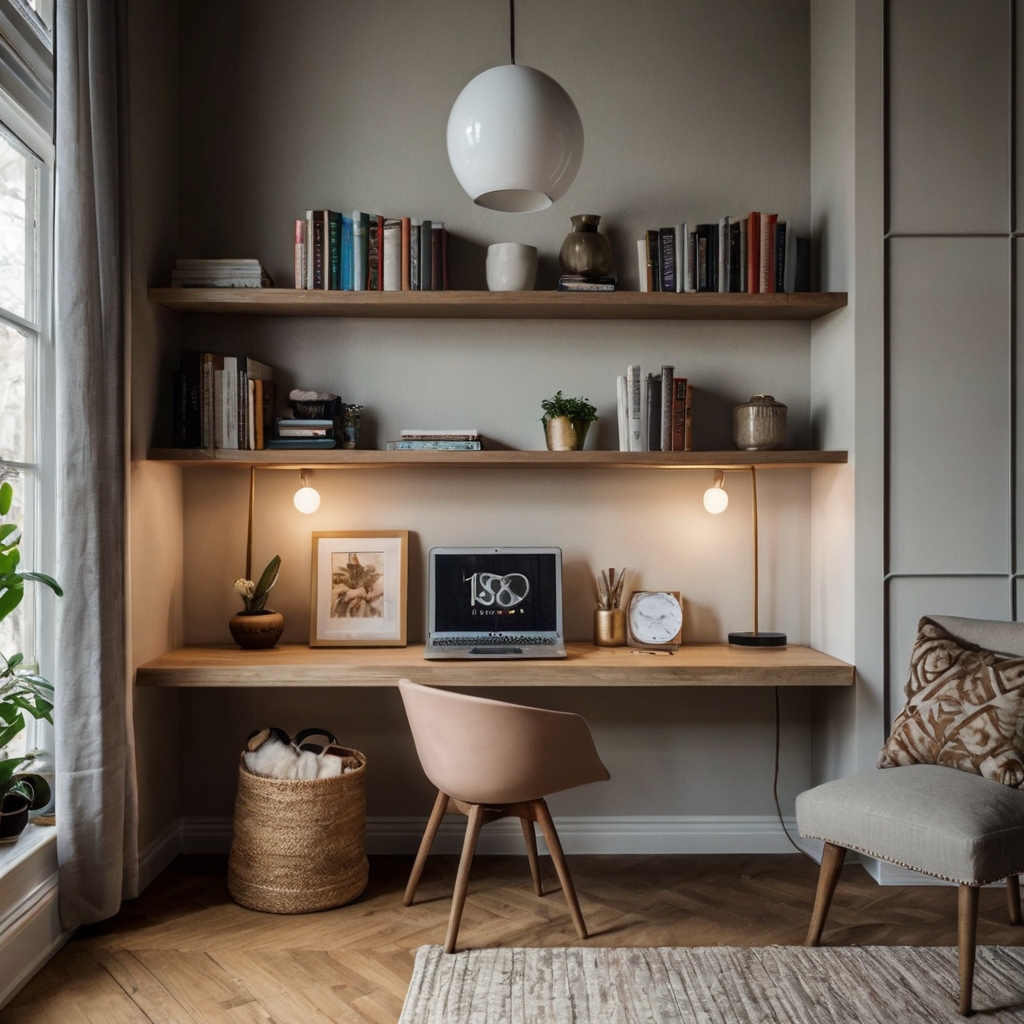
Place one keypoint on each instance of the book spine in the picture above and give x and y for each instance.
(688, 440)
(300, 254)
(436, 263)
(636, 439)
(753, 252)
(641, 264)
(267, 410)
(653, 263)
(426, 235)
(242, 409)
(257, 415)
(372, 254)
(433, 446)
(621, 406)
(309, 248)
(218, 407)
(744, 226)
(734, 255)
(406, 254)
(667, 254)
(789, 281)
(380, 253)
(360, 227)
(766, 263)
(780, 257)
(332, 223)
(680, 247)
(653, 413)
(347, 275)
(704, 254)
(318, 249)
(665, 405)
(679, 414)
(691, 259)
(414, 256)
(250, 414)
(445, 285)
(179, 403)
(392, 256)
(208, 390)
(722, 254)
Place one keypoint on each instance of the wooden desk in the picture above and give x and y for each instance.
(586, 665)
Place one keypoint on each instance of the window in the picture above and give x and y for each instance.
(26, 375)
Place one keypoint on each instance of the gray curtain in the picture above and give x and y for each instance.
(95, 792)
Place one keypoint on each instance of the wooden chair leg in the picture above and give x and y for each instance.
(531, 853)
(547, 826)
(476, 820)
(831, 865)
(433, 823)
(967, 928)
(1013, 898)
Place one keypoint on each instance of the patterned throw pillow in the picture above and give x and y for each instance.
(965, 709)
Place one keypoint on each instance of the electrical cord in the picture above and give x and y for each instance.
(512, 31)
(775, 781)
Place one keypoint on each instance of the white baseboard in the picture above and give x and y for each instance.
(30, 929)
(626, 834)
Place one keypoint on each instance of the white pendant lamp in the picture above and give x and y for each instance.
(515, 139)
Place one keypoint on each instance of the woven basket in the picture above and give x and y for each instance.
(299, 845)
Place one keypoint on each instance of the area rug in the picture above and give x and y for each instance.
(771, 985)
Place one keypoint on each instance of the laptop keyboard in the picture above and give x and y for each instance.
(492, 641)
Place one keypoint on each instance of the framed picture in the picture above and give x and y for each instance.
(359, 588)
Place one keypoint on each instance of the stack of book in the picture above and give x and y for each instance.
(753, 254)
(220, 274)
(436, 441)
(222, 402)
(368, 252)
(656, 414)
(579, 283)
(304, 434)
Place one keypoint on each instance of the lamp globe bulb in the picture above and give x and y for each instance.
(307, 500)
(716, 500)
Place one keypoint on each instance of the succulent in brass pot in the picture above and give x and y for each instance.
(566, 422)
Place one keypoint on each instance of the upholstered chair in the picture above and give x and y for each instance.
(492, 760)
(943, 822)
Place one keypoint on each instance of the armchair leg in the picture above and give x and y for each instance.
(434, 822)
(1013, 898)
(531, 853)
(476, 820)
(831, 865)
(967, 927)
(547, 826)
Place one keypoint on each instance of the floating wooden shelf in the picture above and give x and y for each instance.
(340, 459)
(502, 305)
(586, 665)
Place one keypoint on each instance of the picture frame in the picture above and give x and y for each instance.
(359, 588)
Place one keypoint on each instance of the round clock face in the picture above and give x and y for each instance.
(655, 617)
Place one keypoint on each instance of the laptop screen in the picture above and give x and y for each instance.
(492, 593)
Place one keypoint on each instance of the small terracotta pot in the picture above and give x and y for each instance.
(13, 817)
(257, 631)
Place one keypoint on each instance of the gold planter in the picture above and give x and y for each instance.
(257, 631)
(610, 627)
(562, 435)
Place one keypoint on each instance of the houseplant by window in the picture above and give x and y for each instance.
(21, 692)
(566, 422)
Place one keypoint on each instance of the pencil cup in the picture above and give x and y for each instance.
(610, 627)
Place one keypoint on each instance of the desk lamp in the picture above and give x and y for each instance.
(716, 501)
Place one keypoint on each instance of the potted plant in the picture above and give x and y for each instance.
(566, 422)
(21, 692)
(257, 628)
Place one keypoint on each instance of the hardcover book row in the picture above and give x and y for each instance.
(656, 414)
(368, 252)
(754, 254)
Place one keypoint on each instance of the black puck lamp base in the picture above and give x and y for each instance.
(757, 639)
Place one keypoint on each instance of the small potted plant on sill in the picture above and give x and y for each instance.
(21, 692)
(566, 422)
(257, 628)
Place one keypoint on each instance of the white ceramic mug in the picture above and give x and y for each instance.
(511, 267)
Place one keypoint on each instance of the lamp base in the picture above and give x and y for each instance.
(757, 639)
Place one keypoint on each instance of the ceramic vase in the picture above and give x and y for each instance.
(585, 250)
(511, 267)
(13, 817)
(759, 425)
(562, 435)
(257, 631)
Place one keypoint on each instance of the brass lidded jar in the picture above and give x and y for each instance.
(760, 424)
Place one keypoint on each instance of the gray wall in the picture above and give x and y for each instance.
(691, 111)
(953, 282)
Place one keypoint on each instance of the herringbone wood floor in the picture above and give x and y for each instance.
(183, 952)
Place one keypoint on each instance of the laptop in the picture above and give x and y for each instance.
(495, 603)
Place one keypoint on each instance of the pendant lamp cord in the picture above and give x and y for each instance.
(512, 31)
